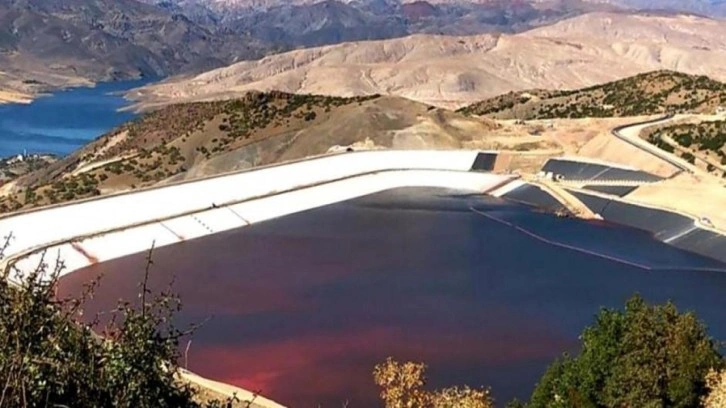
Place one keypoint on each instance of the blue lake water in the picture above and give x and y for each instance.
(64, 121)
(485, 291)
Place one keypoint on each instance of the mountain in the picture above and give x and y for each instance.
(326, 22)
(51, 43)
(457, 71)
(645, 94)
(307, 23)
(55, 41)
(712, 8)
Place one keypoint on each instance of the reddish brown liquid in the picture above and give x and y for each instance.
(303, 307)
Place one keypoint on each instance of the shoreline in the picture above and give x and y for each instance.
(8, 97)
(11, 95)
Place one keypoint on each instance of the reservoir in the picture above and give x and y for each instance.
(485, 291)
(65, 120)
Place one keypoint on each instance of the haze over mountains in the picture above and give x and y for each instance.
(46, 44)
(712, 8)
(54, 41)
(455, 71)
(50, 43)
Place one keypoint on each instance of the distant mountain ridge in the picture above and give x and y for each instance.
(366, 19)
(455, 71)
(42, 41)
(50, 43)
(711, 8)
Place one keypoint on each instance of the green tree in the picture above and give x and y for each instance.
(48, 359)
(644, 356)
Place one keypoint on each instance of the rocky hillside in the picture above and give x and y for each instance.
(52, 42)
(644, 94)
(457, 71)
(301, 23)
(200, 139)
(45, 44)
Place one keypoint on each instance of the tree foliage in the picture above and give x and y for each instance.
(716, 384)
(402, 386)
(49, 359)
(644, 356)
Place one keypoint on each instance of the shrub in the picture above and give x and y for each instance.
(716, 384)
(646, 356)
(402, 387)
(47, 359)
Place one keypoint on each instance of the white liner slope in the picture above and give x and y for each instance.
(106, 228)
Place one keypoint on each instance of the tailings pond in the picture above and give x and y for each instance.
(485, 291)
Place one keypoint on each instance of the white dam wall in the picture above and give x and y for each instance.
(105, 228)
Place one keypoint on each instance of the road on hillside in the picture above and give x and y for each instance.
(630, 133)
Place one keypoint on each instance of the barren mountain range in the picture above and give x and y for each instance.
(46, 44)
(455, 71)
(50, 43)
(705, 7)
(55, 42)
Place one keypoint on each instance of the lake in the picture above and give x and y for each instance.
(65, 120)
(485, 291)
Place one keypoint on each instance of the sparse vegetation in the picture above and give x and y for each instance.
(644, 94)
(704, 139)
(159, 145)
(704, 136)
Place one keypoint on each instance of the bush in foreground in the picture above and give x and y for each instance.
(716, 383)
(645, 356)
(402, 387)
(47, 359)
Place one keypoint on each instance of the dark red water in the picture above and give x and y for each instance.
(303, 307)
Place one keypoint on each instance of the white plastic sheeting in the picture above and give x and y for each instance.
(102, 229)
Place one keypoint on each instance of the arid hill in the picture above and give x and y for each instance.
(45, 44)
(50, 43)
(457, 71)
(194, 140)
(644, 94)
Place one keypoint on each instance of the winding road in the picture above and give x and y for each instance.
(630, 133)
